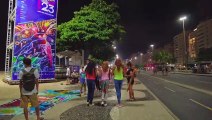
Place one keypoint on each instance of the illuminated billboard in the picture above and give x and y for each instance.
(34, 36)
(35, 10)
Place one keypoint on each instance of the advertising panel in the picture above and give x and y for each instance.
(34, 36)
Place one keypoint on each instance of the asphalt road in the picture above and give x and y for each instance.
(185, 103)
(202, 82)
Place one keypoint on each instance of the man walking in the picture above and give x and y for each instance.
(29, 88)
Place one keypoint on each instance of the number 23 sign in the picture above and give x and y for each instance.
(47, 7)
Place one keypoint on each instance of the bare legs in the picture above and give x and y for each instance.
(83, 85)
(26, 113)
(131, 92)
(37, 112)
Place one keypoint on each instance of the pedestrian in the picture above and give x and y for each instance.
(68, 75)
(166, 70)
(130, 74)
(82, 81)
(155, 70)
(118, 72)
(75, 77)
(97, 81)
(105, 74)
(90, 76)
(29, 88)
(163, 70)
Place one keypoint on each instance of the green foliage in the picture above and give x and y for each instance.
(162, 57)
(93, 29)
(205, 55)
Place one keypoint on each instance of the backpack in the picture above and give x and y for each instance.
(28, 79)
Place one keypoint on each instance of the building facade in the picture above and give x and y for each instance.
(204, 35)
(180, 48)
(200, 38)
(192, 47)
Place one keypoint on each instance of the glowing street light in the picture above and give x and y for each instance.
(117, 56)
(152, 46)
(135, 58)
(183, 18)
(141, 54)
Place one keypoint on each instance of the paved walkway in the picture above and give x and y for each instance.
(146, 106)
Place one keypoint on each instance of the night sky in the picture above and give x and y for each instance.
(146, 21)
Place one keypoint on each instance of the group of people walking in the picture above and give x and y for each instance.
(102, 76)
(89, 74)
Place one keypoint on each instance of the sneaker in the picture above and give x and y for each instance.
(92, 104)
(102, 103)
(88, 104)
(119, 105)
(105, 104)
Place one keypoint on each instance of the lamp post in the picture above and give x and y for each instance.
(184, 39)
(151, 54)
(152, 46)
(141, 57)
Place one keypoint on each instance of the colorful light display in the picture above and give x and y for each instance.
(34, 36)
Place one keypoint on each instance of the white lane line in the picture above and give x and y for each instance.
(204, 82)
(209, 108)
(169, 89)
(183, 85)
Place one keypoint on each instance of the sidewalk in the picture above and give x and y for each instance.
(146, 107)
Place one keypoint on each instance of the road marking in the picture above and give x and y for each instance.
(183, 85)
(209, 108)
(169, 89)
(164, 106)
(204, 82)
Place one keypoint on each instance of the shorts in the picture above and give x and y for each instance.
(82, 81)
(33, 99)
(104, 84)
(128, 80)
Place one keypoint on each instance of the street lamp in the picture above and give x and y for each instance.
(184, 38)
(117, 56)
(141, 57)
(152, 46)
(151, 53)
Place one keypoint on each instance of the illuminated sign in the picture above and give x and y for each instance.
(34, 36)
(35, 10)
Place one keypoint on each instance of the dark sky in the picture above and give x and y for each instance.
(146, 21)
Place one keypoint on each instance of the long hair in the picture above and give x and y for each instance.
(105, 66)
(129, 64)
(118, 64)
(90, 67)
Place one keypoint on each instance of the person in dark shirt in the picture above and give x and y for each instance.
(130, 74)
